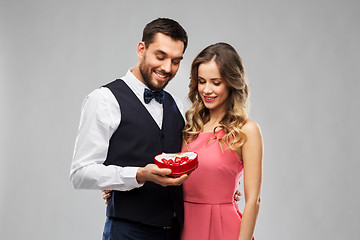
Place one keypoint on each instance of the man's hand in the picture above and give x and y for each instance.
(153, 173)
(237, 196)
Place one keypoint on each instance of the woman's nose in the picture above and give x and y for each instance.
(207, 88)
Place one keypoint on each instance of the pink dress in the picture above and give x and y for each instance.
(210, 212)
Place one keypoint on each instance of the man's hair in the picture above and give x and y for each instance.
(167, 27)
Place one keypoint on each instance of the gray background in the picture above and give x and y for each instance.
(302, 60)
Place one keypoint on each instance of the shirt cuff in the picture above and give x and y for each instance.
(129, 176)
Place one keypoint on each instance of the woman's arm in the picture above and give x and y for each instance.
(252, 154)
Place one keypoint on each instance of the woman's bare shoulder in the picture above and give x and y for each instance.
(251, 127)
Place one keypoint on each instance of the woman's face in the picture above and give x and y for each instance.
(213, 90)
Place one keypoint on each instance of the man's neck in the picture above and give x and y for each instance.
(136, 72)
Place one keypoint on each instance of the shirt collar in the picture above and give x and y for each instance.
(135, 84)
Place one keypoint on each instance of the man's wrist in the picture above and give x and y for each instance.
(140, 176)
(129, 177)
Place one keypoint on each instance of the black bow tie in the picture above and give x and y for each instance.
(159, 96)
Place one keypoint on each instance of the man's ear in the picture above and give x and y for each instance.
(141, 49)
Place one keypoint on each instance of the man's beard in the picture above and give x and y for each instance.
(147, 77)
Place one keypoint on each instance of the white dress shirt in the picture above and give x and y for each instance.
(100, 117)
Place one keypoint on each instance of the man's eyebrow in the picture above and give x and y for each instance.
(165, 54)
(160, 52)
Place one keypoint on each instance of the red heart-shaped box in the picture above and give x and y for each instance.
(179, 163)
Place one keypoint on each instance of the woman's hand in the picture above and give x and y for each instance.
(106, 194)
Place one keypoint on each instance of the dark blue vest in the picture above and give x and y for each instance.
(135, 143)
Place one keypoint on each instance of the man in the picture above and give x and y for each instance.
(123, 125)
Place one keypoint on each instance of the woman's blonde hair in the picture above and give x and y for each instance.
(233, 74)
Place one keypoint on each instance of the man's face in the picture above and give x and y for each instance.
(160, 61)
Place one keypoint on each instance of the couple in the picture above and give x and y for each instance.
(125, 123)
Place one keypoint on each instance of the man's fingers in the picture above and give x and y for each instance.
(160, 176)
(170, 181)
(182, 178)
(163, 171)
(237, 195)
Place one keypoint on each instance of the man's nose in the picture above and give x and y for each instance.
(166, 66)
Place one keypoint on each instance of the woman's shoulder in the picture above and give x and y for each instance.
(251, 128)
(253, 142)
(250, 125)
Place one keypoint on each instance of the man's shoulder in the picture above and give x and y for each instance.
(98, 95)
(113, 84)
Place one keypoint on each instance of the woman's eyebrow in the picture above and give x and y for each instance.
(212, 79)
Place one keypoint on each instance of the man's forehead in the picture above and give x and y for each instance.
(164, 44)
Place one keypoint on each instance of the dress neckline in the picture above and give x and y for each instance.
(213, 131)
(207, 133)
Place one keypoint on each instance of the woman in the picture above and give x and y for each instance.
(228, 144)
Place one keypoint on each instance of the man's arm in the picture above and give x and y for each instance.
(100, 117)
(153, 173)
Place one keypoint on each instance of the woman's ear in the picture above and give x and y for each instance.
(140, 49)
